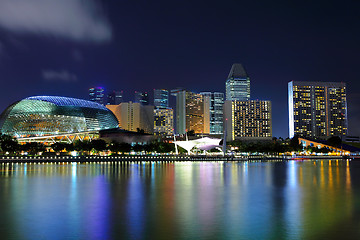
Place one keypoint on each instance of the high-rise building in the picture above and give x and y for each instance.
(114, 98)
(192, 112)
(317, 109)
(161, 98)
(142, 97)
(163, 121)
(96, 94)
(216, 111)
(134, 116)
(248, 119)
(238, 84)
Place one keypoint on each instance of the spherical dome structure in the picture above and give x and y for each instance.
(51, 115)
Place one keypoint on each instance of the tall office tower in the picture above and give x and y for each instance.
(192, 112)
(238, 84)
(317, 109)
(163, 121)
(114, 98)
(216, 111)
(142, 97)
(161, 98)
(134, 116)
(248, 119)
(96, 94)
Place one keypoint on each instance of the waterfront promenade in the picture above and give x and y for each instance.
(159, 158)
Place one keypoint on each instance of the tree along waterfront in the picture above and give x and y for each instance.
(10, 146)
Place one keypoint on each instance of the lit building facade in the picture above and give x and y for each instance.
(237, 84)
(134, 116)
(192, 112)
(317, 109)
(96, 94)
(142, 98)
(163, 121)
(248, 119)
(216, 111)
(43, 116)
(161, 98)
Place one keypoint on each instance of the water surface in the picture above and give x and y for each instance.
(181, 200)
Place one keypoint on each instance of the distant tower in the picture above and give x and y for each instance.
(115, 98)
(142, 97)
(238, 84)
(96, 94)
(161, 98)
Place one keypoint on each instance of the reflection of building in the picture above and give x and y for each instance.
(141, 97)
(247, 119)
(238, 84)
(161, 98)
(216, 111)
(192, 112)
(134, 116)
(96, 94)
(114, 98)
(42, 116)
(163, 121)
(317, 109)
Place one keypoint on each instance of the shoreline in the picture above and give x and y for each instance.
(172, 158)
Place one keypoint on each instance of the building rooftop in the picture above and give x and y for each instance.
(237, 71)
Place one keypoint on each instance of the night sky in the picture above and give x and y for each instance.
(63, 47)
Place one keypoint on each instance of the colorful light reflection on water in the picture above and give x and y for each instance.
(181, 200)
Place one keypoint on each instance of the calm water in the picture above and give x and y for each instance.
(182, 200)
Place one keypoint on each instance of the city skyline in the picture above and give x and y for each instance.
(143, 46)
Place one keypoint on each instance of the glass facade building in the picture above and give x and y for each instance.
(317, 109)
(51, 115)
(216, 111)
(237, 84)
(161, 98)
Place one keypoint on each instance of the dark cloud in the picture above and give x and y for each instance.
(58, 76)
(70, 19)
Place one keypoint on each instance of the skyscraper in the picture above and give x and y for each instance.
(142, 97)
(317, 109)
(192, 112)
(248, 119)
(161, 98)
(238, 84)
(96, 94)
(216, 111)
(114, 98)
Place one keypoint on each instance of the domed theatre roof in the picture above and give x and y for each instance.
(52, 115)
